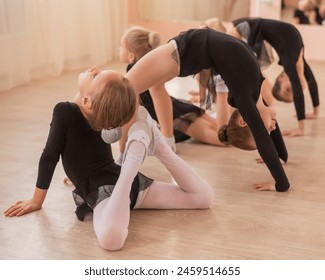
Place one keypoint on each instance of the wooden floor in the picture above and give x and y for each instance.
(242, 224)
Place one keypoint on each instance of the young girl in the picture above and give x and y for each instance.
(189, 120)
(101, 186)
(287, 42)
(198, 49)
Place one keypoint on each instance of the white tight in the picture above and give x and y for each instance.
(189, 192)
(112, 215)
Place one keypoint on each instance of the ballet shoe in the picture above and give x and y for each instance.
(142, 131)
(144, 117)
(112, 135)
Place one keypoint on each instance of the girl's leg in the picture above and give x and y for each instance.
(163, 195)
(112, 215)
(191, 190)
(312, 84)
(293, 70)
(300, 69)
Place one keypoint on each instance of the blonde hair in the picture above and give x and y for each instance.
(140, 40)
(214, 23)
(236, 135)
(114, 105)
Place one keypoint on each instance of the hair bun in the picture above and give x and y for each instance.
(222, 134)
(153, 39)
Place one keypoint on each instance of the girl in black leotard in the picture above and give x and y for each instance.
(287, 42)
(198, 49)
(101, 186)
(189, 120)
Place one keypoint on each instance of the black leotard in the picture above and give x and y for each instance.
(86, 158)
(236, 63)
(287, 42)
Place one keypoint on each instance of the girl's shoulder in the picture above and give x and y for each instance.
(65, 107)
(65, 111)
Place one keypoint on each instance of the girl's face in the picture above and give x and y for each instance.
(91, 81)
(285, 88)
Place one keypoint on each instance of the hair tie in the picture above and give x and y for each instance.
(225, 134)
(112, 135)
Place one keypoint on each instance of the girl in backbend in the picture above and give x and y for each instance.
(287, 42)
(197, 49)
(189, 120)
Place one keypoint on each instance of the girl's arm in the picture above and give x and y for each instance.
(164, 110)
(47, 163)
(313, 90)
(23, 207)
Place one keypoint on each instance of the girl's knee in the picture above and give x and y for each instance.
(204, 198)
(208, 197)
(113, 238)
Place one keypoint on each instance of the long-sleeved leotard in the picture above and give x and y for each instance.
(86, 158)
(233, 59)
(287, 42)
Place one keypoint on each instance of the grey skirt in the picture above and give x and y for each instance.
(265, 56)
(86, 206)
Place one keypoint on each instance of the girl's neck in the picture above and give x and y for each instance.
(77, 101)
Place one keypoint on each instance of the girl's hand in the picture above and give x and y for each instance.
(22, 207)
(264, 187)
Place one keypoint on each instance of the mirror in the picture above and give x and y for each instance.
(192, 10)
(310, 32)
(303, 11)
